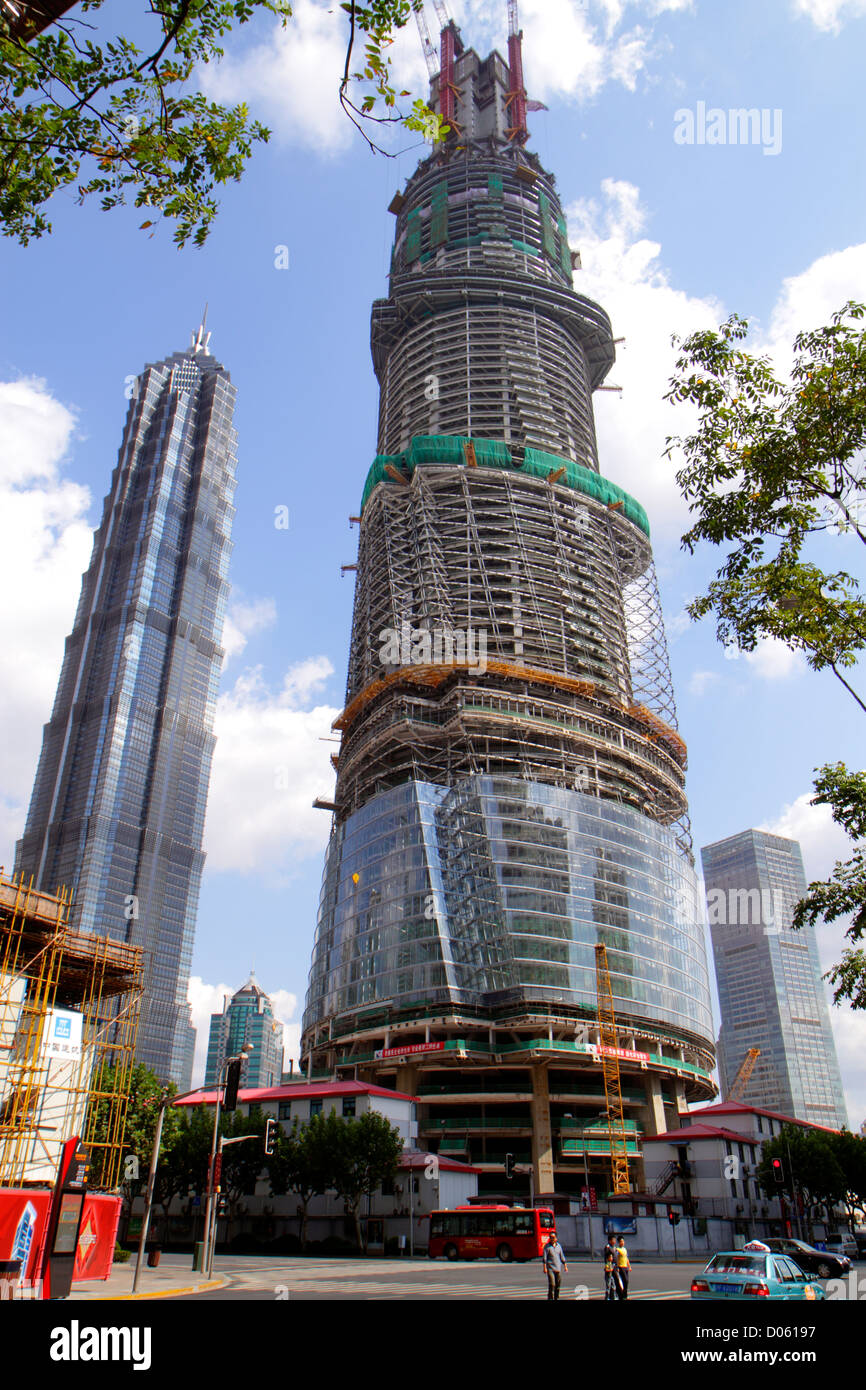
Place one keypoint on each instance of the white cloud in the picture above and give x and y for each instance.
(243, 620)
(269, 765)
(773, 661)
(205, 1000)
(622, 270)
(830, 15)
(291, 79)
(808, 300)
(821, 839)
(701, 681)
(45, 544)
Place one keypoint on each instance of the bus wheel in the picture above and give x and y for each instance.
(451, 1252)
(505, 1254)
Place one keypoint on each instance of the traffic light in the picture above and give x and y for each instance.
(673, 1216)
(778, 1172)
(509, 1166)
(222, 1205)
(271, 1128)
(233, 1078)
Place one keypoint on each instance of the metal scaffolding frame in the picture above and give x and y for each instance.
(45, 1098)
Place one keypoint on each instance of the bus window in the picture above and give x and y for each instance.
(504, 1224)
(523, 1223)
(545, 1219)
(485, 1223)
(437, 1226)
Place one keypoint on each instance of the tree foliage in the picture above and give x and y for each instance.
(122, 118)
(367, 1153)
(145, 1093)
(771, 465)
(810, 1166)
(302, 1162)
(844, 892)
(773, 468)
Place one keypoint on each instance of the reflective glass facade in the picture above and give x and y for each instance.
(497, 886)
(118, 806)
(771, 993)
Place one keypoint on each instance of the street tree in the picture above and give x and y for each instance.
(775, 471)
(368, 1152)
(303, 1162)
(145, 1093)
(120, 117)
(849, 1150)
(810, 1167)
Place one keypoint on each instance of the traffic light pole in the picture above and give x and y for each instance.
(216, 1170)
(167, 1100)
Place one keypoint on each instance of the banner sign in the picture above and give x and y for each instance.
(625, 1054)
(410, 1047)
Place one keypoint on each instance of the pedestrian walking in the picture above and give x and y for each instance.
(611, 1282)
(623, 1267)
(554, 1265)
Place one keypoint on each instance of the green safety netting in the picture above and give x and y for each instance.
(449, 449)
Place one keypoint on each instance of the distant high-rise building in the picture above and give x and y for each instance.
(770, 990)
(248, 1017)
(118, 806)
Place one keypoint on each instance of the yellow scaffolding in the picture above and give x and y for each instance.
(46, 1096)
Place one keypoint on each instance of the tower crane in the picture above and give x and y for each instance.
(426, 41)
(609, 1051)
(516, 99)
(737, 1088)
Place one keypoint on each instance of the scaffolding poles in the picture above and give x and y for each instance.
(49, 1089)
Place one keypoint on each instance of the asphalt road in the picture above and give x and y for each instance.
(264, 1279)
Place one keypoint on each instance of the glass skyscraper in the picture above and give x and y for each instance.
(771, 994)
(248, 1017)
(118, 806)
(510, 780)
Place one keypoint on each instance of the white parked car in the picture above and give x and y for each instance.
(842, 1244)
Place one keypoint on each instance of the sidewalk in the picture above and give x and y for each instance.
(173, 1275)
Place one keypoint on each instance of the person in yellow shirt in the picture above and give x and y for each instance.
(622, 1267)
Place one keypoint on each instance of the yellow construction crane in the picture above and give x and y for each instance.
(609, 1051)
(737, 1089)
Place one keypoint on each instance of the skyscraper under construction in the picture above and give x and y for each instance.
(510, 781)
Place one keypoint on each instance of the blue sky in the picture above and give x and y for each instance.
(673, 237)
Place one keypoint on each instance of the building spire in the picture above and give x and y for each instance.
(199, 340)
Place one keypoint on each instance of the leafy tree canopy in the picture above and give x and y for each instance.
(123, 119)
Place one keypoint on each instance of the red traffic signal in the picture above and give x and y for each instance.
(778, 1171)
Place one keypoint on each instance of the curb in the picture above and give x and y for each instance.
(156, 1293)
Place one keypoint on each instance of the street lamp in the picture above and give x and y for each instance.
(212, 1172)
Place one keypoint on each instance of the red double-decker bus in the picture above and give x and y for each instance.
(476, 1233)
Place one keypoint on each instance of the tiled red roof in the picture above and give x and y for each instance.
(417, 1158)
(684, 1136)
(732, 1107)
(297, 1091)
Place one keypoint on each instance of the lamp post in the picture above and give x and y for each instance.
(213, 1167)
(167, 1099)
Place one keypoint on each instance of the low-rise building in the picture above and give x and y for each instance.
(394, 1217)
(706, 1170)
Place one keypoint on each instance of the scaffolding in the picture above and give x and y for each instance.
(507, 619)
(69, 1009)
